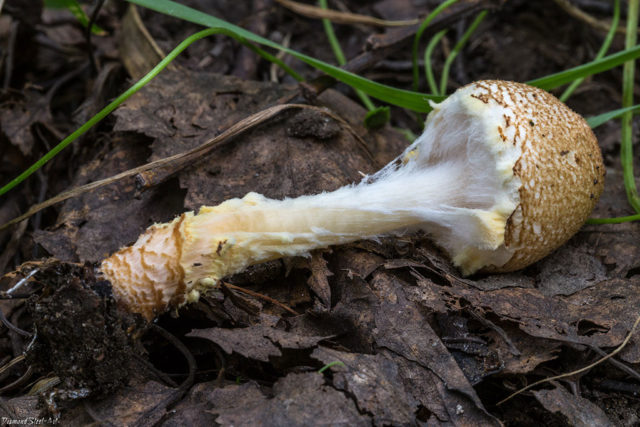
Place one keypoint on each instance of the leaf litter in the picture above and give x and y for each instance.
(416, 343)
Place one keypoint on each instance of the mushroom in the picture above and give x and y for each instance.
(503, 174)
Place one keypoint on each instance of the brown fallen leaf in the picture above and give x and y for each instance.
(95, 224)
(298, 399)
(20, 113)
(318, 280)
(532, 352)
(404, 329)
(578, 411)
(375, 382)
(600, 315)
(200, 405)
(141, 404)
(24, 407)
(256, 342)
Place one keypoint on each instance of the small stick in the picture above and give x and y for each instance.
(20, 381)
(13, 327)
(617, 363)
(342, 17)
(181, 160)
(261, 296)
(586, 18)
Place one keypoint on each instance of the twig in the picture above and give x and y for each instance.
(261, 296)
(616, 363)
(341, 17)
(157, 372)
(579, 371)
(11, 364)
(585, 17)
(273, 69)
(512, 347)
(382, 46)
(11, 326)
(22, 281)
(191, 361)
(181, 160)
(20, 381)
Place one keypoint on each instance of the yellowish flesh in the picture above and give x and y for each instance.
(471, 181)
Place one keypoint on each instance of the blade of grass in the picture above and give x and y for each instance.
(456, 50)
(402, 98)
(112, 106)
(76, 10)
(616, 220)
(626, 137)
(331, 35)
(428, 52)
(329, 365)
(597, 66)
(416, 40)
(596, 121)
(339, 54)
(603, 49)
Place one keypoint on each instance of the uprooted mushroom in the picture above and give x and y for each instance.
(503, 174)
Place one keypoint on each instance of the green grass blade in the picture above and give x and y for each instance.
(603, 50)
(108, 109)
(330, 364)
(626, 130)
(596, 121)
(402, 98)
(597, 66)
(456, 50)
(74, 7)
(331, 36)
(428, 53)
(616, 220)
(339, 54)
(416, 40)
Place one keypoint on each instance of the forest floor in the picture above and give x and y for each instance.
(403, 338)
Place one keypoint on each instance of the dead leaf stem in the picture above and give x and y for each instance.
(179, 161)
(342, 17)
(261, 296)
(577, 13)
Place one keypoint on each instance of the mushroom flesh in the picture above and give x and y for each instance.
(502, 175)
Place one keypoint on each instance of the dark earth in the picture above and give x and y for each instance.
(373, 333)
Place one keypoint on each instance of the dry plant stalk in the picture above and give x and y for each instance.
(503, 174)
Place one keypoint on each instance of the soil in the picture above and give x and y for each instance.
(372, 333)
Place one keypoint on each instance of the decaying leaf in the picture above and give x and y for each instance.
(141, 404)
(600, 315)
(256, 342)
(298, 399)
(375, 382)
(577, 410)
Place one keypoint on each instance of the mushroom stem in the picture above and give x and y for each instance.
(503, 174)
(172, 263)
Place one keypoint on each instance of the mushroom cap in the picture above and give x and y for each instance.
(560, 168)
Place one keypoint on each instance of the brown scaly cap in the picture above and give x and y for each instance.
(561, 169)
